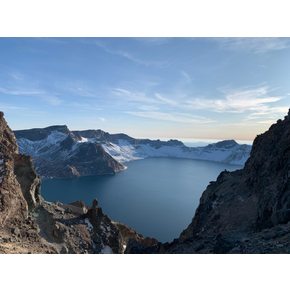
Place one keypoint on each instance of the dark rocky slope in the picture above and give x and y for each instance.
(246, 211)
(29, 224)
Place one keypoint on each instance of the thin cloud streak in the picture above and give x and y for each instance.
(41, 94)
(132, 96)
(129, 56)
(165, 100)
(255, 45)
(16, 92)
(172, 117)
(186, 76)
(238, 101)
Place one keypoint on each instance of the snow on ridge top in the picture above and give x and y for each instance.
(228, 151)
(38, 134)
(224, 144)
(83, 139)
(124, 148)
(87, 140)
(33, 148)
(55, 137)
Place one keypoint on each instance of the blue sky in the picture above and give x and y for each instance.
(216, 88)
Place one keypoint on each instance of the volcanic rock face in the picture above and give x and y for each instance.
(29, 224)
(28, 180)
(13, 206)
(246, 211)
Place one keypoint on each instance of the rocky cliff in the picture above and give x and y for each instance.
(246, 211)
(13, 206)
(29, 224)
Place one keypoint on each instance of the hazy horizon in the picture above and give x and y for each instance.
(184, 140)
(174, 88)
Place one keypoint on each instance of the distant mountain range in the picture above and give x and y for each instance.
(59, 152)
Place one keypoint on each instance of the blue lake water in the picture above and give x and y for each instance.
(155, 196)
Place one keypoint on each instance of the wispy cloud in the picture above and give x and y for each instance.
(82, 106)
(20, 92)
(41, 94)
(134, 96)
(238, 101)
(254, 45)
(267, 115)
(81, 90)
(186, 76)
(16, 76)
(141, 97)
(51, 99)
(148, 108)
(256, 103)
(7, 107)
(102, 119)
(165, 100)
(172, 117)
(129, 56)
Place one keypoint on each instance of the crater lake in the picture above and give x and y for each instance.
(156, 196)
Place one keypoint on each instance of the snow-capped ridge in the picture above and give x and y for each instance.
(59, 144)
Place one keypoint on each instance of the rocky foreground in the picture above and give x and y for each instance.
(29, 224)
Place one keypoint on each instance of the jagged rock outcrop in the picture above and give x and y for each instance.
(246, 211)
(13, 206)
(29, 224)
(28, 180)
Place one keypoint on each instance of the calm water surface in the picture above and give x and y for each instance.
(155, 196)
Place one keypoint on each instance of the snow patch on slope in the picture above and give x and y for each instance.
(122, 153)
(34, 148)
(125, 152)
(106, 250)
(89, 225)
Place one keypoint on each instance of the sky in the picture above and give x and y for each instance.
(202, 88)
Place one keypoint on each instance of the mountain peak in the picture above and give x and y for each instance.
(224, 144)
(36, 134)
